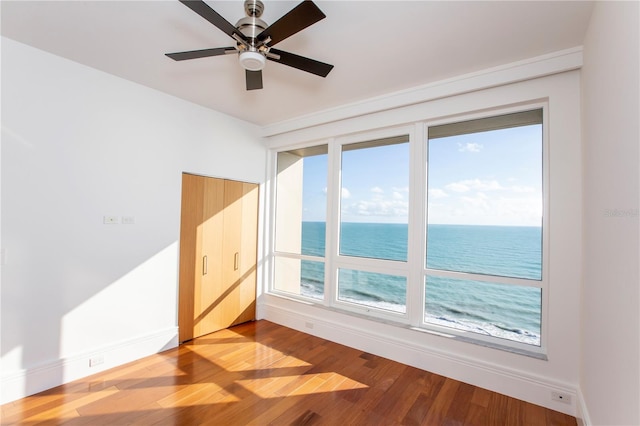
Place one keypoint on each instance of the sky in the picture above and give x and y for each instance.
(486, 178)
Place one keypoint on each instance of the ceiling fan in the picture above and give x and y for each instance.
(255, 39)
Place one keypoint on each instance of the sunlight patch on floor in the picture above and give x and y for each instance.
(277, 387)
(197, 394)
(68, 410)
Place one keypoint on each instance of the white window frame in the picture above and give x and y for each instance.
(414, 269)
(543, 283)
(381, 266)
(273, 212)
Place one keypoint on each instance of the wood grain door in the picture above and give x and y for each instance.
(240, 250)
(190, 248)
(218, 246)
(210, 289)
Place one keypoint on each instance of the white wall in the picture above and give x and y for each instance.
(516, 375)
(610, 368)
(78, 144)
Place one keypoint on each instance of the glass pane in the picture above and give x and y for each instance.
(301, 200)
(377, 240)
(313, 234)
(375, 199)
(498, 310)
(382, 291)
(513, 251)
(301, 277)
(312, 279)
(485, 202)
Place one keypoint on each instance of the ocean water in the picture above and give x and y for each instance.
(504, 311)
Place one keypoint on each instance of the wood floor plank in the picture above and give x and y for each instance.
(476, 415)
(457, 412)
(481, 397)
(260, 373)
(534, 415)
(418, 410)
(497, 409)
(70, 409)
(442, 402)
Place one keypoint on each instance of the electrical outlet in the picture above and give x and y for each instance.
(96, 360)
(561, 397)
(110, 220)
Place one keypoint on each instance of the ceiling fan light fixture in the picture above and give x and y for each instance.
(252, 61)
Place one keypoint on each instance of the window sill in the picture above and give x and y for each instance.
(439, 333)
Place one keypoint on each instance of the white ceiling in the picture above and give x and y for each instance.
(377, 47)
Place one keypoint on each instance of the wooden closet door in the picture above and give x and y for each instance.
(190, 248)
(218, 252)
(211, 289)
(248, 252)
(240, 247)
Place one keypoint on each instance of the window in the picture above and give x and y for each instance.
(373, 223)
(484, 226)
(375, 189)
(301, 221)
(463, 255)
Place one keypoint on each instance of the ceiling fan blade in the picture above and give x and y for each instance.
(254, 79)
(298, 18)
(202, 9)
(194, 54)
(301, 63)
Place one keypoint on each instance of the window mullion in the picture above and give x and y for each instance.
(333, 222)
(523, 282)
(416, 243)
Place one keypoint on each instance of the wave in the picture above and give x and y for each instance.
(479, 326)
(383, 305)
(488, 329)
(361, 295)
(485, 327)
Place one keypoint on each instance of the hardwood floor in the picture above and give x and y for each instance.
(261, 373)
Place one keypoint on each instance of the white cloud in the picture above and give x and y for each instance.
(345, 193)
(474, 184)
(488, 209)
(397, 196)
(527, 208)
(381, 208)
(522, 189)
(401, 189)
(377, 190)
(436, 193)
(479, 203)
(458, 187)
(486, 185)
(469, 147)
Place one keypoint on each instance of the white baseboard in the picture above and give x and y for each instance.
(22, 383)
(582, 412)
(376, 339)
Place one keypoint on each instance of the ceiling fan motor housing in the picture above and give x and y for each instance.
(251, 26)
